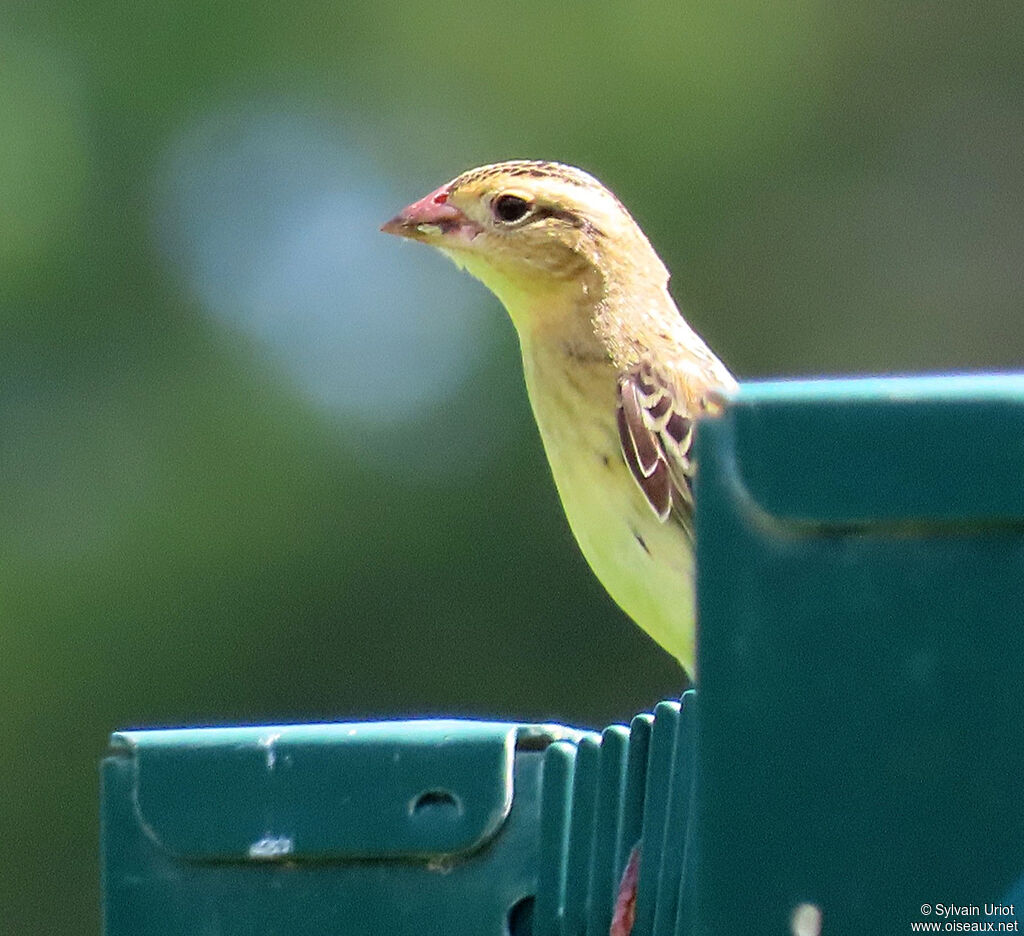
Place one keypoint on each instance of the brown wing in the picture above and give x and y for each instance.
(656, 423)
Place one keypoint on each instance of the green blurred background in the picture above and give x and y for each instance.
(259, 462)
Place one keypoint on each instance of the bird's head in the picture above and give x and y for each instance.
(529, 229)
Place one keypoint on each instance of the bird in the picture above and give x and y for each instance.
(616, 377)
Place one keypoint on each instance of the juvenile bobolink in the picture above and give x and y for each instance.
(615, 376)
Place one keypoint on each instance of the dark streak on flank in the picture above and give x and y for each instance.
(576, 352)
(573, 381)
(640, 540)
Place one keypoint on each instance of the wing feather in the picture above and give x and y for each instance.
(656, 418)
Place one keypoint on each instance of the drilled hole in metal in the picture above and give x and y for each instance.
(520, 917)
(435, 802)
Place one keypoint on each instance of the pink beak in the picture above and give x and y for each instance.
(431, 212)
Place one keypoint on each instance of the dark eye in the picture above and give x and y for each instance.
(509, 208)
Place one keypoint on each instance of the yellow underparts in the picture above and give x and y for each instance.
(646, 564)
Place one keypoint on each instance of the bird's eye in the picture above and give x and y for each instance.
(510, 208)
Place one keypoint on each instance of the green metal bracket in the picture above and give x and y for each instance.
(855, 758)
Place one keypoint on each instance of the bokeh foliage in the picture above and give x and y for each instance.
(193, 536)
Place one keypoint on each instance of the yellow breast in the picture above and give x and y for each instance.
(645, 564)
